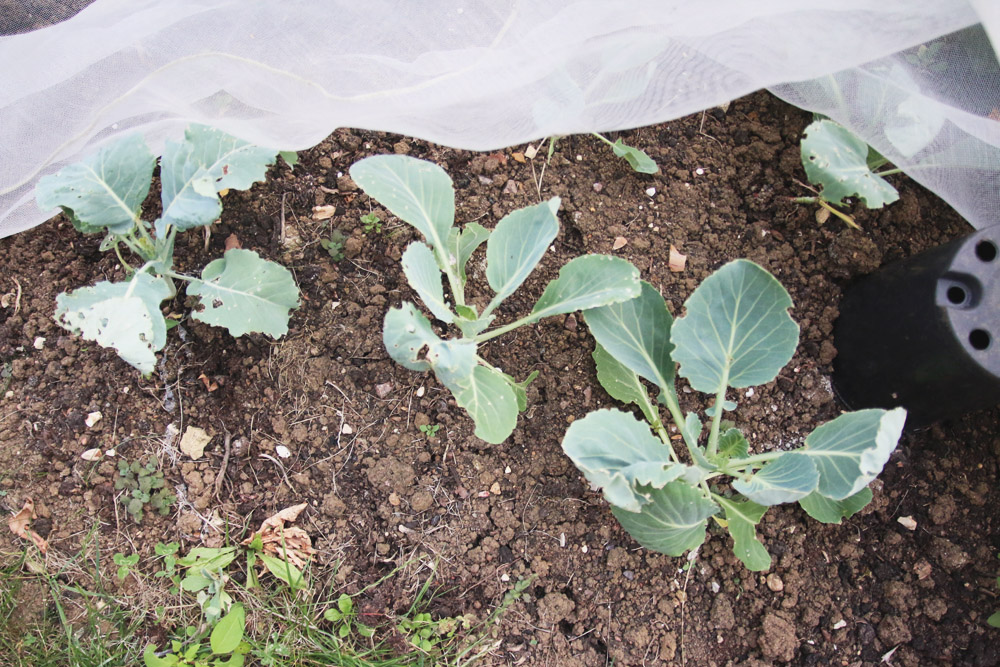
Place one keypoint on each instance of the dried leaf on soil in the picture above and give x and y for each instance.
(324, 212)
(619, 243)
(194, 441)
(289, 543)
(92, 454)
(677, 261)
(18, 525)
(233, 241)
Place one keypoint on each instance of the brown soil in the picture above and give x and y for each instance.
(381, 492)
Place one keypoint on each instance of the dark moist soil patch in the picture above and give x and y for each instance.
(381, 492)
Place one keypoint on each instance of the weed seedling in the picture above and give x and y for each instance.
(736, 333)
(430, 430)
(334, 245)
(371, 223)
(345, 618)
(143, 485)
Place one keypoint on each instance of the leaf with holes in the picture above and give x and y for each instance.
(245, 294)
(837, 161)
(124, 316)
(105, 190)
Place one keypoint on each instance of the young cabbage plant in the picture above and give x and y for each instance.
(736, 333)
(843, 166)
(104, 194)
(421, 194)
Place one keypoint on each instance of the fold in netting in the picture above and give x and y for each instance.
(916, 79)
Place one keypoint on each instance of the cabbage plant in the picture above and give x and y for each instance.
(104, 193)
(421, 194)
(736, 333)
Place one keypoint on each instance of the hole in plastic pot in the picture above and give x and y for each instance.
(979, 339)
(986, 251)
(957, 295)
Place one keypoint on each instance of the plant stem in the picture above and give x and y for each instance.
(493, 333)
(738, 465)
(825, 204)
(720, 399)
(603, 138)
(889, 172)
(674, 407)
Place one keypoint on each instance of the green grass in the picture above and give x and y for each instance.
(68, 611)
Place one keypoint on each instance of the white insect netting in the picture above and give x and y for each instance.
(916, 79)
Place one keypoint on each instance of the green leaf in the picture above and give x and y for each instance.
(195, 582)
(615, 451)
(637, 333)
(837, 161)
(245, 294)
(737, 331)
(333, 615)
(231, 163)
(733, 445)
(416, 191)
(123, 316)
(672, 522)
(994, 620)
(284, 571)
(208, 558)
(104, 190)
(783, 480)
(586, 282)
(517, 245)
(228, 632)
(411, 342)
(826, 510)
(421, 271)
(345, 603)
(742, 519)
(188, 190)
(472, 236)
(291, 158)
(621, 383)
(490, 401)
(693, 428)
(152, 660)
(636, 158)
(850, 451)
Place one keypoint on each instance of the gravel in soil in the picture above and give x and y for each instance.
(381, 490)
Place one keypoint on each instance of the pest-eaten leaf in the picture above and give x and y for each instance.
(105, 190)
(737, 331)
(411, 342)
(837, 161)
(245, 294)
(19, 524)
(125, 316)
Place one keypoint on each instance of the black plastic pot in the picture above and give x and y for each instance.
(924, 333)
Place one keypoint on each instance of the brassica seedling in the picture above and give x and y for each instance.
(421, 194)
(104, 194)
(843, 166)
(636, 158)
(736, 334)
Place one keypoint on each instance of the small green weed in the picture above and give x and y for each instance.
(427, 634)
(994, 619)
(125, 564)
(143, 485)
(371, 223)
(334, 245)
(345, 618)
(430, 430)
